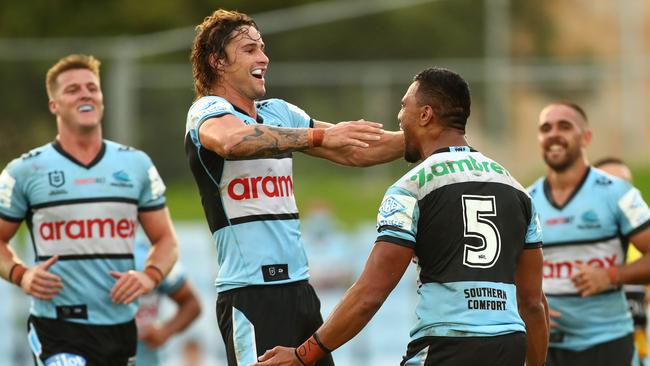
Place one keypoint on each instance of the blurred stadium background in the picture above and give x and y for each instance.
(338, 60)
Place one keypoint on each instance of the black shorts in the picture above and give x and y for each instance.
(618, 352)
(254, 319)
(504, 350)
(60, 342)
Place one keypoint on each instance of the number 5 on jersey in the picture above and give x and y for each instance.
(476, 209)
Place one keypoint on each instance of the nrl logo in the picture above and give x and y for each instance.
(56, 178)
(390, 207)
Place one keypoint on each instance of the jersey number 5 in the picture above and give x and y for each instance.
(476, 209)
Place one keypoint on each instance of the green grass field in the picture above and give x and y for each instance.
(353, 198)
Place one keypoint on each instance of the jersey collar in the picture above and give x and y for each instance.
(549, 196)
(455, 149)
(57, 146)
(258, 119)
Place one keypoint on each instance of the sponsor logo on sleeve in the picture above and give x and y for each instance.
(7, 183)
(157, 185)
(397, 210)
(634, 207)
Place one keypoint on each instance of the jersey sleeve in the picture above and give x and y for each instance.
(397, 220)
(204, 109)
(534, 236)
(152, 195)
(631, 209)
(13, 201)
(297, 117)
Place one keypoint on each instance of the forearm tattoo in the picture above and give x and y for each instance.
(265, 141)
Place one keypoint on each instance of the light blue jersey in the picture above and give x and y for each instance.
(150, 303)
(592, 227)
(249, 204)
(88, 216)
(468, 221)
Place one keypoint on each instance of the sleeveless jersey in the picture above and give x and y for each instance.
(88, 216)
(249, 204)
(592, 227)
(150, 303)
(468, 221)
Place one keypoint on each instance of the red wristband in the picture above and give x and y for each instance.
(154, 273)
(311, 351)
(16, 274)
(315, 137)
(612, 273)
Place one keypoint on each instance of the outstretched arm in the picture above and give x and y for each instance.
(532, 305)
(383, 270)
(231, 138)
(390, 147)
(155, 335)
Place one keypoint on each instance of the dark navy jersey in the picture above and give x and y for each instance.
(249, 204)
(468, 221)
(591, 227)
(88, 216)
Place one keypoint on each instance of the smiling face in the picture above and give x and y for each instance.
(77, 100)
(562, 136)
(242, 73)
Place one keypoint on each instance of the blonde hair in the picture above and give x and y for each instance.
(71, 62)
(213, 35)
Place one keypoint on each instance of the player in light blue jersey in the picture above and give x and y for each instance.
(83, 198)
(152, 332)
(588, 218)
(472, 230)
(240, 151)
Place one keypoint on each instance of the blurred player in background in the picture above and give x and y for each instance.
(635, 294)
(475, 235)
(152, 334)
(240, 152)
(587, 218)
(82, 198)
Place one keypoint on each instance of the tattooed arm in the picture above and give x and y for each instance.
(231, 138)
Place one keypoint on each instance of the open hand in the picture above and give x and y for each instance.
(278, 356)
(129, 286)
(353, 133)
(40, 283)
(590, 280)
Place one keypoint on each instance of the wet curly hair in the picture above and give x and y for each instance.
(213, 35)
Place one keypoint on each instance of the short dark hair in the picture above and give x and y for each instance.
(608, 160)
(573, 106)
(213, 35)
(447, 93)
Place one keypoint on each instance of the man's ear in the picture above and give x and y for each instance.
(586, 137)
(426, 115)
(216, 64)
(51, 105)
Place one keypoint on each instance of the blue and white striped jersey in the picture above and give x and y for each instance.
(249, 204)
(591, 227)
(468, 220)
(88, 216)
